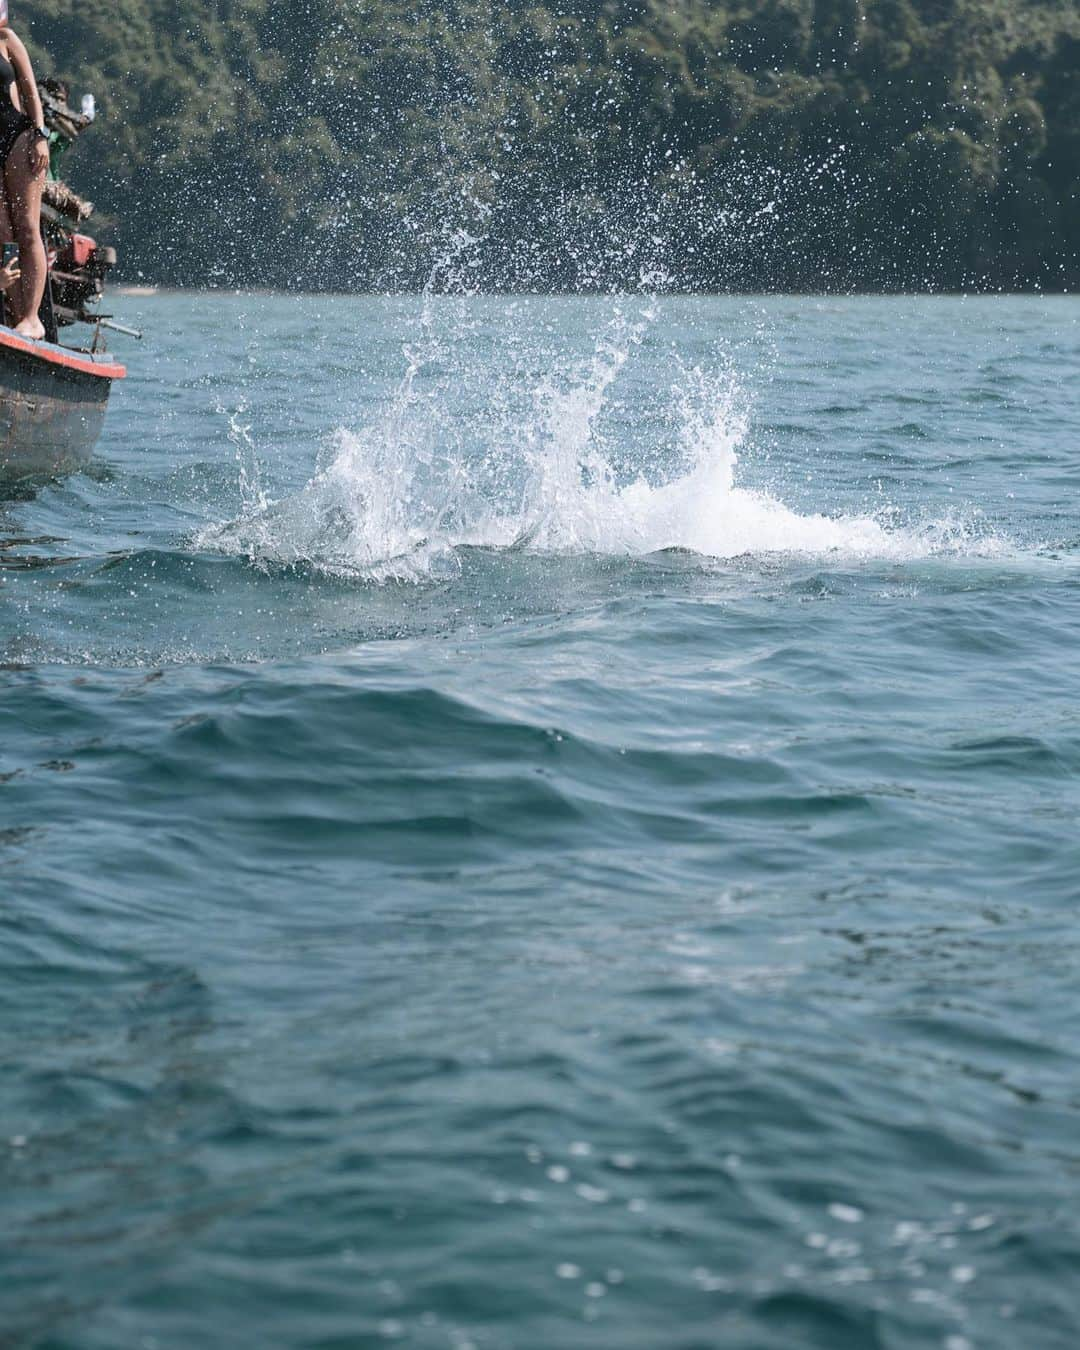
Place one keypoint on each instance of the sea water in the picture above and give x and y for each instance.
(548, 822)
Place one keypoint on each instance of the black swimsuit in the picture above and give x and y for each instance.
(13, 122)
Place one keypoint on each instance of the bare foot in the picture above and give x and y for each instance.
(31, 328)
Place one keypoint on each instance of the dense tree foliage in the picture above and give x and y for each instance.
(804, 144)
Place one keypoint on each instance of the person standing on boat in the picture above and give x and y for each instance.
(24, 159)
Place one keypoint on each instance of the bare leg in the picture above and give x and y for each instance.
(23, 190)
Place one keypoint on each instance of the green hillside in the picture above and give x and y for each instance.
(778, 144)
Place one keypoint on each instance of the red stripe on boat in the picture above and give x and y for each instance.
(62, 356)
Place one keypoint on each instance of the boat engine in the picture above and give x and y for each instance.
(78, 276)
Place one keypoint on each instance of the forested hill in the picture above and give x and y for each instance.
(744, 144)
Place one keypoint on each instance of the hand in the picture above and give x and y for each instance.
(9, 274)
(39, 155)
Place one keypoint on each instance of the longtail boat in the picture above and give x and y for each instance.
(53, 396)
(52, 405)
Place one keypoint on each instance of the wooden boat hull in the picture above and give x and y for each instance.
(52, 406)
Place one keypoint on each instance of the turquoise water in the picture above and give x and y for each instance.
(549, 823)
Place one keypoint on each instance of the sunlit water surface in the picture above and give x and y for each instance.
(549, 823)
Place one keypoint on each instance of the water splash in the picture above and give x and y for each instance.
(253, 494)
(540, 461)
